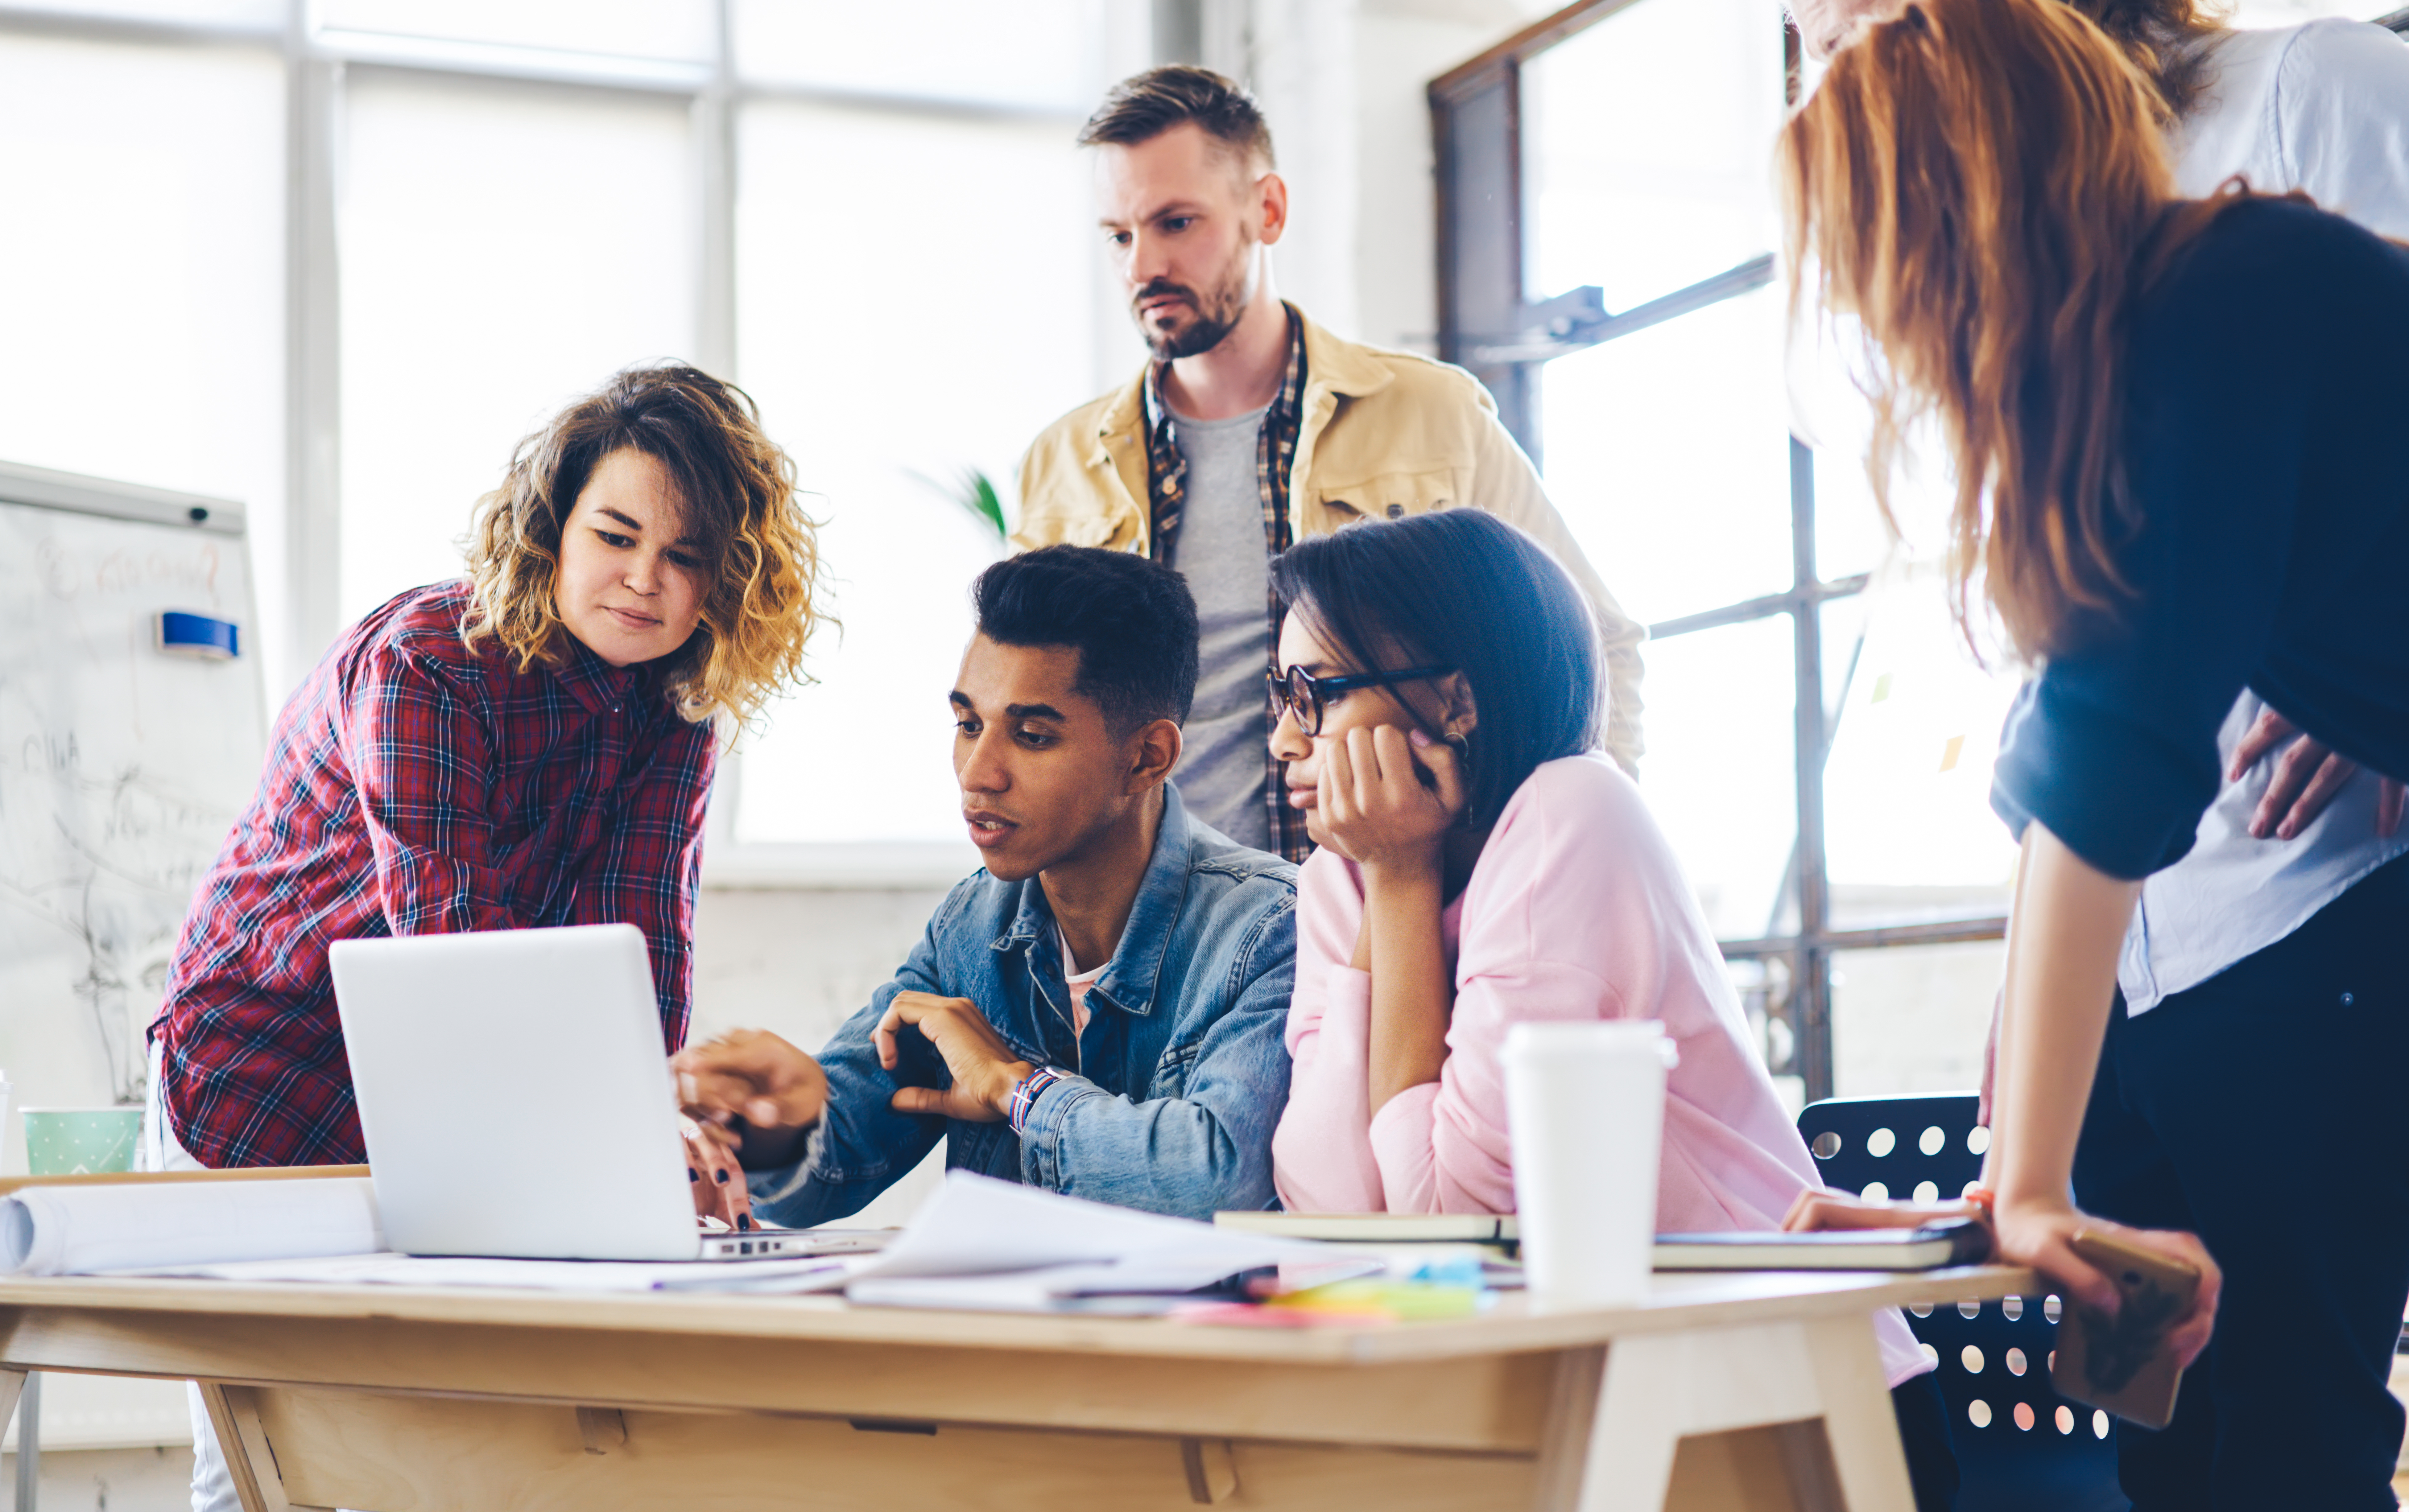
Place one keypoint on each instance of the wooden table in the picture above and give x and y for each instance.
(1760, 1392)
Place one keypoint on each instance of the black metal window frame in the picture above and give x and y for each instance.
(1489, 323)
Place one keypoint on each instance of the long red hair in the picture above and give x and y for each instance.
(1983, 185)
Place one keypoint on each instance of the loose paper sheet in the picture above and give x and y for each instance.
(976, 1242)
(981, 1243)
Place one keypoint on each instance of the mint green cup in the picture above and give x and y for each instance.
(77, 1141)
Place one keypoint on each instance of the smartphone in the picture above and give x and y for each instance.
(2125, 1363)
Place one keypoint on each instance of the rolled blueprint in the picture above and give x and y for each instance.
(76, 1231)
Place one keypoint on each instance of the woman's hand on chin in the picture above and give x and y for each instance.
(2040, 1235)
(1385, 800)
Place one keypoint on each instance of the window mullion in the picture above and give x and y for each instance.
(1811, 989)
(311, 569)
(715, 131)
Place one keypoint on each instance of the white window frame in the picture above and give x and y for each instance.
(306, 570)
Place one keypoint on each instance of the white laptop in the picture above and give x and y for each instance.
(517, 1101)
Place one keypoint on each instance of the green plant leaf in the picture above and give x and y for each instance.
(973, 491)
(979, 498)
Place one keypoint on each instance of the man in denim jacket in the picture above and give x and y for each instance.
(1100, 1011)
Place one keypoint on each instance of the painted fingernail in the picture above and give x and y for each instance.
(1420, 738)
(692, 1175)
(720, 1176)
(744, 1221)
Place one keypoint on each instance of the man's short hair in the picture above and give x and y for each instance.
(1132, 620)
(1144, 105)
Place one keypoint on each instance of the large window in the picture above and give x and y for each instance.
(336, 257)
(142, 297)
(1819, 734)
(1618, 296)
(992, 253)
(502, 248)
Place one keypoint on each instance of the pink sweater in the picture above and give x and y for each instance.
(1577, 910)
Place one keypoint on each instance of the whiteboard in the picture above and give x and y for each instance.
(122, 768)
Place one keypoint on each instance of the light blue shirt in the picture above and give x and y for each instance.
(2234, 895)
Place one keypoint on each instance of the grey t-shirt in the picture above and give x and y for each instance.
(1222, 553)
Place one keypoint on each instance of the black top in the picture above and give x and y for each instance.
(2269, 455)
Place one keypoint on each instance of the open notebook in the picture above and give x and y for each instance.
(1951, 1242)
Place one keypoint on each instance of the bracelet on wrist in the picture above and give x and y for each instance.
(1025, 1093)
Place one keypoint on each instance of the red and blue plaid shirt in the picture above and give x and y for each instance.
(415, 786)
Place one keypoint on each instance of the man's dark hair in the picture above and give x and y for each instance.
(1462, 589)
(1144, 105)
(1132, 620)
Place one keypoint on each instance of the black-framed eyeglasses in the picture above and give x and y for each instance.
(1305, 696)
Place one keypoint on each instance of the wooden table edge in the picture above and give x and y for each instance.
(1513, 1326)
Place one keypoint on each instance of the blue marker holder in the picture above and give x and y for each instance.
(181, 634)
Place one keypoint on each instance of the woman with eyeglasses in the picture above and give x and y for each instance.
(1482, 863)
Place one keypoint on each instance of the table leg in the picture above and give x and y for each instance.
(1860, 1425)
(234, 1412)
(1564, 1439)
(21, 1392)
(1793, 1414)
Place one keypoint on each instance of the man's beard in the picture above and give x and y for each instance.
(1216, 315)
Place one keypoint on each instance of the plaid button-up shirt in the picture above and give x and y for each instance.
(415, 786)
(1274, 456)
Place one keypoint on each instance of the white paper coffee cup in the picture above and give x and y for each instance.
(1586, 1110)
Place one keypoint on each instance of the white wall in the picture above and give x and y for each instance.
(799, 963)
(156, 1478)
(1400, 47)
(1345, 84)
(1300, 62)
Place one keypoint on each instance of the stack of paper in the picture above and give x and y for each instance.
(976, 1242)
(993, 1246)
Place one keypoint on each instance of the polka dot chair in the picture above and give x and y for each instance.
(2021, 1447)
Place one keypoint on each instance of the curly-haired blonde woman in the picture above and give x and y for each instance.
(529, 745)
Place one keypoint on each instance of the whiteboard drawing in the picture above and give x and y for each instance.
(122, 768)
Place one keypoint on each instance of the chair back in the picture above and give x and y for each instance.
(2021, 1447)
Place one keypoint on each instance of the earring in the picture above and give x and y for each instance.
(1461, 744)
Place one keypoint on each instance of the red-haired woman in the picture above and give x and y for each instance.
(2182, 472)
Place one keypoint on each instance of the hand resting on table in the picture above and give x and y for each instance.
(1817, 1211)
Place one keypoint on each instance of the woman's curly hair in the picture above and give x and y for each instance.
(736, 492)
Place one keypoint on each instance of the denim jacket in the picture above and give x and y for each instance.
(1167, 1102)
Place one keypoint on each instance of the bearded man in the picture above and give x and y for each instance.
(1252, 427)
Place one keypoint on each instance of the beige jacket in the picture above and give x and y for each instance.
(1383, 434)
